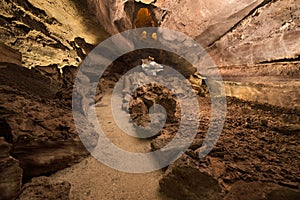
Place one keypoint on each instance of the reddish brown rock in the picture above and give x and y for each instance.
(145, 97)
(184, 179)
(10, 172)
(9, 55)
(259, 145)
(260, 191)
(39, 124)
(269, 34)
(45, 188)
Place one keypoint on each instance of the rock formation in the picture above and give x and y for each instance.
(246, 39)
(11, 173)
(254, 43)
(49, 33)
(45, 188)
(259, 145)
(37, 126)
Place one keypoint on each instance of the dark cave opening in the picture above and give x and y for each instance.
(5, 131)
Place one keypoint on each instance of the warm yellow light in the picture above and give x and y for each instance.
(154, 36)
(144, 19)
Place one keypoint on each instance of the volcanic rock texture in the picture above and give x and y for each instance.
(49, 33)
(38, 135)
(255, 44)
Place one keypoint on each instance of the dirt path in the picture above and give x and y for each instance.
(91, 179)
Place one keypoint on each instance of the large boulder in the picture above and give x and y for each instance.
(185, 179)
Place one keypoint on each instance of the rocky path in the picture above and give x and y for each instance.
(91, 179)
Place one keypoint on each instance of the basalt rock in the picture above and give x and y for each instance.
(43, 133)
(37, 123)
(250, 149)
(144, 98)
(10, 172)
(45, 188)
(49, 33)
(260, 191)
(269, 35)
(184, 179)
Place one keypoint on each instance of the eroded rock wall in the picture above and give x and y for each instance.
(256, 37)
(49, 33)
(37, 131)
(251, 41)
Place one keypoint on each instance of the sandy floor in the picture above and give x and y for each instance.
(91, 179)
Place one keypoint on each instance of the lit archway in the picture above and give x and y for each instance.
(143, 19)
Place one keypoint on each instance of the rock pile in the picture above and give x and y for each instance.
(251, 149)
(150, 90)
(146, 97)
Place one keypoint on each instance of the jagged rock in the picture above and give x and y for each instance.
(9, 55)
(49, 33)
(184, 179)
(256, 143)
(139, 112)
(260, 191)
(250, 148)
(147, 96)
(45, 188)
(10, 173)
(193, 18)
(41, 126)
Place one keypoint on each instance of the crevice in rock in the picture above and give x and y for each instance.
(30, 24)
(5, 20)
(26, 19)
(283, 60)
(5, 130)
(29, 7)
(81, 47)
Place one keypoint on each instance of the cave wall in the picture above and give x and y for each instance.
(270, 34)
(234, 32)
(49, 33)
(253, 42)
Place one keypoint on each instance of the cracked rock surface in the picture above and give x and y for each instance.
(254, 43)
(49, 33)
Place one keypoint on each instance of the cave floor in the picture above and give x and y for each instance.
(258, 138)
(91, 179)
